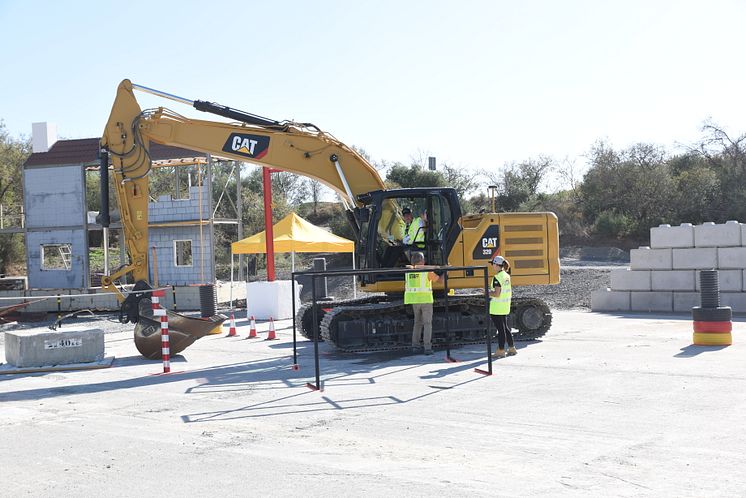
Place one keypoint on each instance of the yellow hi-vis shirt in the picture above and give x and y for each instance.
(501, 305)
(414, 234)
(418, 289)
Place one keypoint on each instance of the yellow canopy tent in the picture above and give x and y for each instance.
(294, 234)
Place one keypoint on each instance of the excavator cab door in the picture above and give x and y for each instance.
(391, 236)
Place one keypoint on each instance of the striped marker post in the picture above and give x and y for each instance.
(158, 311)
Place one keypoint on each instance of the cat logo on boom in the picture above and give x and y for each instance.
(243, 144)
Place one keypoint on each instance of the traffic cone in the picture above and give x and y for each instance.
(271, 336)
(252, 330)
(232, 329)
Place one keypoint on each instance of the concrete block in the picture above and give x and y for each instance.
(728, 280)
(630, 280)
(608, 300)
(271, 299)
(674, 280)
(651, 301)
(710, 234)
(731, 258)
(666, 236)
(736, 300)
(702, 258)
(685, 301)
(29, 348)
(645, 258)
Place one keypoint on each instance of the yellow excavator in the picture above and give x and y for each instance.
(379, 321)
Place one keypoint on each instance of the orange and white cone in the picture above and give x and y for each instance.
(232, 329)
(252, 330)
(272, 335)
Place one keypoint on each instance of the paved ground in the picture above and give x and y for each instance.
(606, 405)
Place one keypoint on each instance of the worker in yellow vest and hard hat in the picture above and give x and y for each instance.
(418, 291)
(501, 292)
(414, 228)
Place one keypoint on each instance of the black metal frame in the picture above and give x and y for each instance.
(348, 273)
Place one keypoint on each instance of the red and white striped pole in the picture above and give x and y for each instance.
(161, 312)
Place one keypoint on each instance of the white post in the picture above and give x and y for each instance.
(1, 217)
(106, 251)
(354, 277)
(231, 291)
(292, 260)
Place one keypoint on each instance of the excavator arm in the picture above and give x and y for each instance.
(299, 148)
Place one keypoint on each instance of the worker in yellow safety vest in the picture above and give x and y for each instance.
(414, 228)
(418, 291)
(501, 292)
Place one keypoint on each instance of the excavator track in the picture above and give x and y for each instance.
(381, 324)
(304, 315)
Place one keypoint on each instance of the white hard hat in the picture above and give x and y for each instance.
(498, 260)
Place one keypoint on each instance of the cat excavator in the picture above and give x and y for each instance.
(379, 321)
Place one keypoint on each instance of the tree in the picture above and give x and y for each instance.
(13, 153)
(631, 190)
(519, 183)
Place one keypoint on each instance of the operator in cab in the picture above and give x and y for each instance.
(414, 228)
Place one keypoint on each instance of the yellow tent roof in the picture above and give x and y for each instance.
(294, 234)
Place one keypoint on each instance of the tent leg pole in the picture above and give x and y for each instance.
(231, 291)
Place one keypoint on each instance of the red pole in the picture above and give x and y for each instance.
(268, 232)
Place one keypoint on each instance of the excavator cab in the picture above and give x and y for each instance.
(388, 237)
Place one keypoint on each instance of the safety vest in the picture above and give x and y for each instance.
(418, 289)
(501, 305)
(414, 233)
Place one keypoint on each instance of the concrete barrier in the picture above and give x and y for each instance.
(666, 236)
(674, 280)
(630, 280)
(710, 234)
(645, 258)
(731, 257)
(736, 300)
(729, 280)
(608, 300)
(651, 301)
(702, 258)
(685, 301)
(29, 348)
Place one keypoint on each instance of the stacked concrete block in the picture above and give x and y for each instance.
(665, 275)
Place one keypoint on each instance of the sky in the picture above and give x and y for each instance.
(477, 84)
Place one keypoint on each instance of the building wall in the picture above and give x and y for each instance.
(162, 238)
(54, 196)
(200, 272)
(54, 203)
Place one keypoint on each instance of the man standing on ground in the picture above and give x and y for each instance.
(418, 292)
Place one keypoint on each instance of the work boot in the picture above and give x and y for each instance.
(428, 352)
(512, 351)
(500, 353)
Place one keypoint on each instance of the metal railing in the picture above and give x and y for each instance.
(392, 271)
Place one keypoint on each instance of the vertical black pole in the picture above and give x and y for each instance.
(295, 350)
(487, 319)
(315, 332)
(448, 318)
(59, 311)
(173, 296)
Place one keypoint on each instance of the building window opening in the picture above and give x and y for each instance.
(56, 257)
(183, 252)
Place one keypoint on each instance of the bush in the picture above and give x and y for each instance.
(612, 224)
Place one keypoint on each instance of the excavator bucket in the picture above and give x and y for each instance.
(183, 331)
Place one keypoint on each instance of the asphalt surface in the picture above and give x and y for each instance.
(604, 405)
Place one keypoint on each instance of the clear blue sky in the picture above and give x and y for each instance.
(475, 83)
